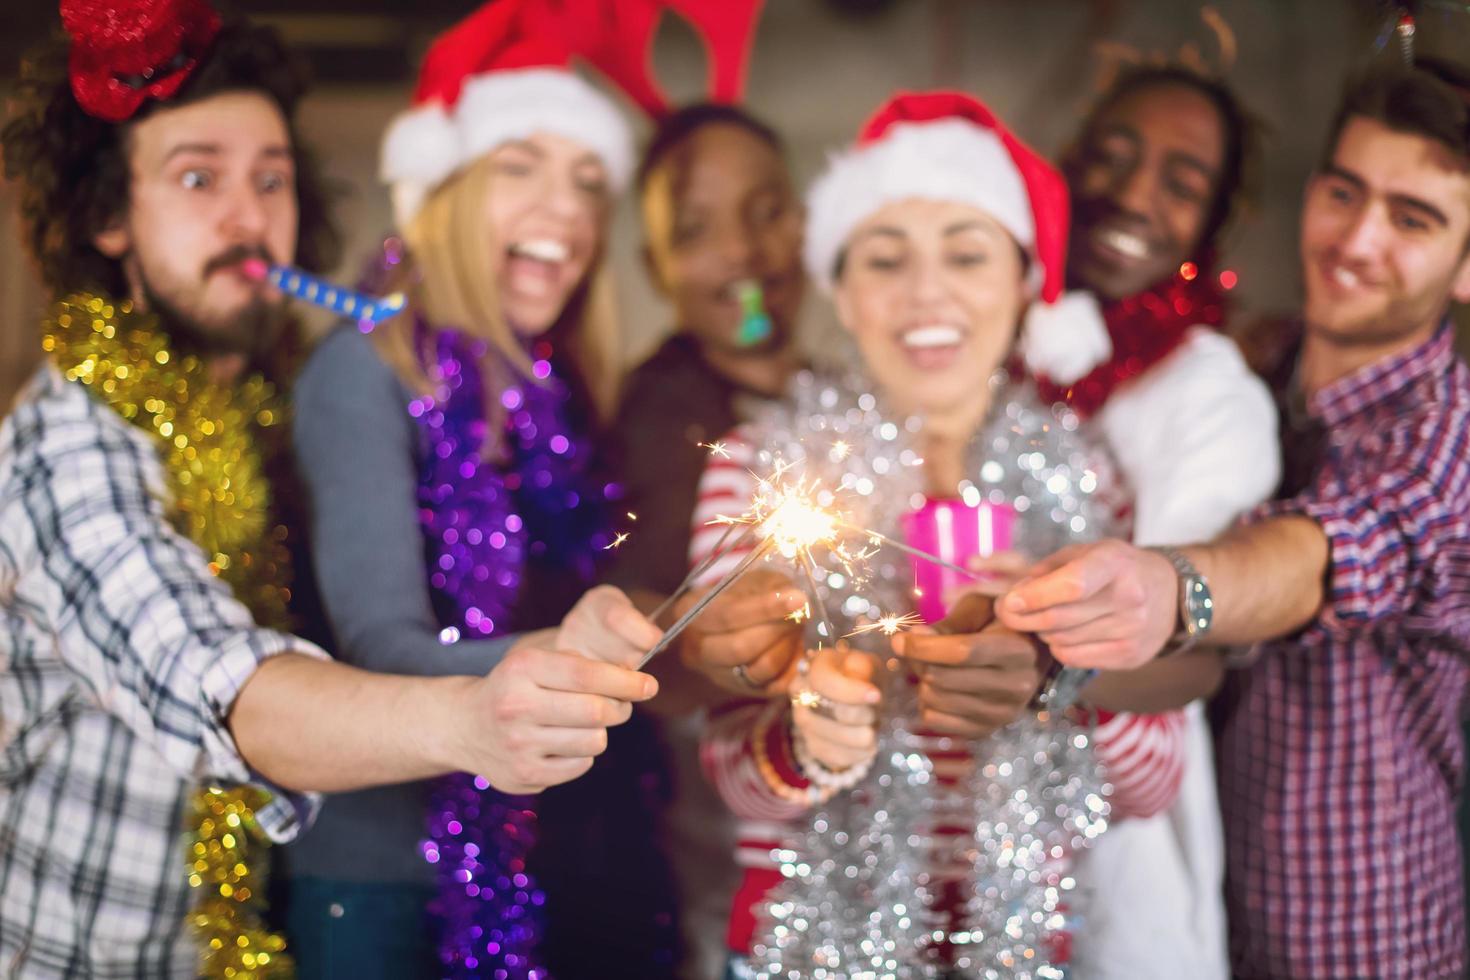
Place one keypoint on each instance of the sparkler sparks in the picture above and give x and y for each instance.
(890, 624)
(793, 519)
(807, 699)
(715, 448)
(617, 541)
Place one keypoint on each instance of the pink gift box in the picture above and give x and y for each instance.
(956, 532)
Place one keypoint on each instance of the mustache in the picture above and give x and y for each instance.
(236, 254)
(1094, 210)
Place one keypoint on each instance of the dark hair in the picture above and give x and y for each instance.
(1430, 99)
(1242, 134)
(683, 123)
(73, 169)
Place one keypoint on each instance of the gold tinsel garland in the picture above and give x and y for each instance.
(220, 499)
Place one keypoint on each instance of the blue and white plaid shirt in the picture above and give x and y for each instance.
(120, 658)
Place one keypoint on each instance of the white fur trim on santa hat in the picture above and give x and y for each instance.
(945, 160)
(1065, 340)
(427, 144)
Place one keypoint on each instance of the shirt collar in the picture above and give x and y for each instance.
(1375, 382)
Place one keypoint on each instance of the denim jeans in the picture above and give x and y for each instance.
(361, 930)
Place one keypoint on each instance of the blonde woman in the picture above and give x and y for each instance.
(455, 506)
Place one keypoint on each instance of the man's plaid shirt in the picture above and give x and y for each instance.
(1342, 757)
(120, 658)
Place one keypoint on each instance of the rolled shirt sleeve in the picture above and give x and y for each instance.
(137, 616)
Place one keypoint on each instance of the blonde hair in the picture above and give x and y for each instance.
(447, 276)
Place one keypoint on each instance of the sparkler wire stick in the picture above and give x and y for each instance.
(715, 555)
(910, 549)
(683, 622)
(811, 579)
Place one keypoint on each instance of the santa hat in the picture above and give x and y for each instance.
(505, 72)
(949, 146)
(941, 146)
(502, 73)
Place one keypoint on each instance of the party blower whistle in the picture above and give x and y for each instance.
(755, 322)
(363, 308)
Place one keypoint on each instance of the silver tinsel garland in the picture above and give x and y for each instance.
(857, 902)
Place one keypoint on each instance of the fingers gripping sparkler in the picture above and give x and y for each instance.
(789, 521)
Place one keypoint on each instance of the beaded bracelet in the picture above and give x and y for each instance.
(829, 779)
(813, 795)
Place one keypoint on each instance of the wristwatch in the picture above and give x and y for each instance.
(1196, 604)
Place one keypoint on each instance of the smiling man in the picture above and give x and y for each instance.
(1341, 754)
(1155, 175)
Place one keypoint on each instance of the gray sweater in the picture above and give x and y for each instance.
(358, 452)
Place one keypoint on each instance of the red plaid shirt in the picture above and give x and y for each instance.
(1342, 756)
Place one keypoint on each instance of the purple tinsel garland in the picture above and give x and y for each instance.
(484, 514)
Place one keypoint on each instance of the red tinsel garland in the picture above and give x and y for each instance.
(1145, 329)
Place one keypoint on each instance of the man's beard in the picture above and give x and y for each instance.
(252, 332)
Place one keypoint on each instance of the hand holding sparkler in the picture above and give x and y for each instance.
(834, 707)
(604, 625)
(975, 676)
(789, 522)
(750, 637)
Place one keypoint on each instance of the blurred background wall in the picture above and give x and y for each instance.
(819, 67)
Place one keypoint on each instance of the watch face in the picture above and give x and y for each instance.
(1199, 607)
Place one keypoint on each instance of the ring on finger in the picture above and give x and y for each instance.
(743, 676)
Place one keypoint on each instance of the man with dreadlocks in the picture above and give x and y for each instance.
(1155, 174)
(151, 695)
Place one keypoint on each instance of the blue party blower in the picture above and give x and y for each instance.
(365, 309)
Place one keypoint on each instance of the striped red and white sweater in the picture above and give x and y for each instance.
(1143, 754)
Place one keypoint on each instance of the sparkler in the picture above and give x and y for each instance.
(719, 551)
(789, 522)
(890, 624)
(909, 549)
(672, 633)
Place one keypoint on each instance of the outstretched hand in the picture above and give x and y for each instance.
(1108, 605)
